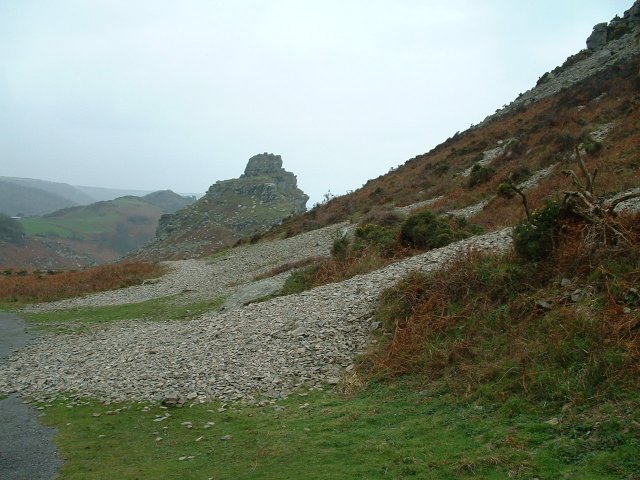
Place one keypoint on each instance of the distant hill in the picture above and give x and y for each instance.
(104, 231)
(22, 199)
(103, 194)
(168, 201)
(62, 190)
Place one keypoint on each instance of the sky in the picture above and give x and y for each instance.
(154, 94)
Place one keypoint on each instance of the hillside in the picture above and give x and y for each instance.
(168, 201)
(591, 101)
(26, 199)
(102, 230)
(264, 195)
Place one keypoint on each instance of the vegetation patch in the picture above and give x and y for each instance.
(155, 310)
(45, 286)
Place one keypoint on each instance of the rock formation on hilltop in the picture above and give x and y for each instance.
(231, 209)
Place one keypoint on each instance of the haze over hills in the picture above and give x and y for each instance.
(30, 196)
(85, 235)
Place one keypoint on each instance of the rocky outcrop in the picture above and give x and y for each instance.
(231, 209)
(598, 38)
(617, 28)
(608, 44)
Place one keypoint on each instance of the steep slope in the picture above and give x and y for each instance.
(592, 101)
(231, 209)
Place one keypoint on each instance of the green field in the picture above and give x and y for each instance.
(95, 219)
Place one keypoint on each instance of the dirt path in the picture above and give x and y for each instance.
(26, 447)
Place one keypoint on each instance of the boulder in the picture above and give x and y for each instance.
(598, 37)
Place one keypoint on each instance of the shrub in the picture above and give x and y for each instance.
(377, 236)
(505, 191)
(535, 239)
(425, 230)
(340, 246)
(479, 175)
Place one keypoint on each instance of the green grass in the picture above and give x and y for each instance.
(383, 432)
(218, 255)
(168, 308)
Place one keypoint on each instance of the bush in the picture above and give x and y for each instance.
(479, 175)
(340, 246)
(371, 235)
(535, 240)
(505, 191)
(426, 230)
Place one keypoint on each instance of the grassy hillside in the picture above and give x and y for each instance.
(104, 230)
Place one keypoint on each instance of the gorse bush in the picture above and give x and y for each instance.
(535, 239)
(479, 175)
(426, 230)
(375, 236)
(340, 246)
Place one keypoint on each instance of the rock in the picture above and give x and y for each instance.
(333, 380)
(553, 421)
(543, 304)
(172, 399)
(192, 396)
(226, 437)
(228, 211)
(598, 37)
(565, 282)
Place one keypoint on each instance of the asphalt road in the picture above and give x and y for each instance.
(27, 451)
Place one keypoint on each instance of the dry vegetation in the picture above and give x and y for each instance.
(564, 329)
(543, 134)
(45, 286)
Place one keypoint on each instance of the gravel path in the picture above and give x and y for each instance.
(26, 447)
(224, 276)
(262, 349)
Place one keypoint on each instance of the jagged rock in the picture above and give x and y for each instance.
(231, 209)
(598, 37)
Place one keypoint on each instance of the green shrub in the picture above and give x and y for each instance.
(505, 191)
(534, 240)
(340, 245)
(479, 175)
(371, 235)
(426, 230)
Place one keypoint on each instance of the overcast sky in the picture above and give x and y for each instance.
(152, 94)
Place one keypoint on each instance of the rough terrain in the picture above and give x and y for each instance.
(245, 352)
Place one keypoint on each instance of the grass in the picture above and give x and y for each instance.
(159, 309)
(383, 432)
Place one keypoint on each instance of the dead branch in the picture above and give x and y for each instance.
(525, 200)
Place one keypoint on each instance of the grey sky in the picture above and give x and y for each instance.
(152, 94)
